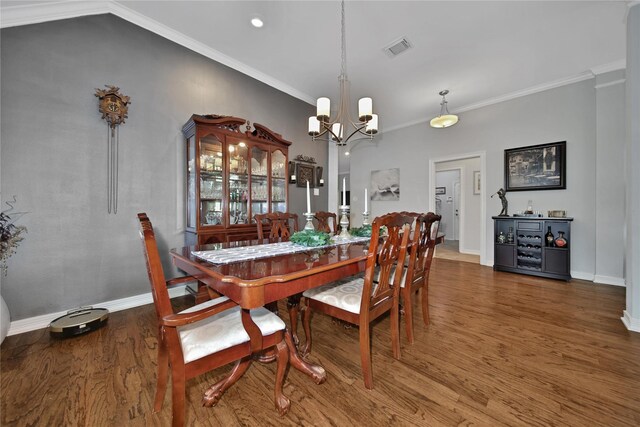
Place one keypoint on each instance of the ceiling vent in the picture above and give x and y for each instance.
(397, 47)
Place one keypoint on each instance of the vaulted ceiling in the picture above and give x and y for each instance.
(483, 52)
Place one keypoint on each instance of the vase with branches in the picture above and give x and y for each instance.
(10, 235)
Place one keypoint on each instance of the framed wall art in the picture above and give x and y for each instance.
(476, 182)
(385, 184)
(305, 173)
(536, 167)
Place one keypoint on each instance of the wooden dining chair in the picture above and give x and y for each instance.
(359, 299)
(327, 222)
(282, 225)
(416, 274)
(205, 337)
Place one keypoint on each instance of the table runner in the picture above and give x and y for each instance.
(246, 253)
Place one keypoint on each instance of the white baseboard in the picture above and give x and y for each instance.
(470, 251)
(632, 324)
(43, 321)
(609, 280)
(581, 275)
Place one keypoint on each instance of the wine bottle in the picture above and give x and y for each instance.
(549, 237)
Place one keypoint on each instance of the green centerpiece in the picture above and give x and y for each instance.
(311, 238)
(364, 231)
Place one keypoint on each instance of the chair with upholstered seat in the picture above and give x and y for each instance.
(205, 337)
(327, 222)
(416, 275)
(282, 225)
(360, 299)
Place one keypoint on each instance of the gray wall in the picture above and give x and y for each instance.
(567, 113)
(54, 152)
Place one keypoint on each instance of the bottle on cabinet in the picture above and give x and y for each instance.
(560, 241)
(549, 238)
(510, 235)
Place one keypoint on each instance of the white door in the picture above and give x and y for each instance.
(456, 210)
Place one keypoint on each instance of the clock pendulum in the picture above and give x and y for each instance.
(114, 109)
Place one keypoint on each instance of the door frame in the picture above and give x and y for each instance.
(483, 194)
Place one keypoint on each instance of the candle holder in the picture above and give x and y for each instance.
(365, 218)
(309, 224)
(344, 223)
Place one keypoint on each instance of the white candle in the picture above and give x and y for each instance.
(344, 192)
(308, 199)
(365, 200)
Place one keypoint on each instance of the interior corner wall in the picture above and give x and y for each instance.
(567, 113)
(610, 177)
(54, 146)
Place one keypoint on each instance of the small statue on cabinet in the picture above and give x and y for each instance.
(501, 193)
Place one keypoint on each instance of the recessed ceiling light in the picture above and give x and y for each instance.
(347, 153)
(257, 22)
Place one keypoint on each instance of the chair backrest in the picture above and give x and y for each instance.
(323, 219)
(423, 243)
(157, 279)
(387, 253)
(283, 224)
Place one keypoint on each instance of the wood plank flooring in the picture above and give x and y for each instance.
(501, 349)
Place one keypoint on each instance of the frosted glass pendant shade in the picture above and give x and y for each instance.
(444, 121)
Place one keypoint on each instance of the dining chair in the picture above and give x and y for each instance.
(359, 299)
(327, 222)
(416, 273)
(282, 225)
(205, 337)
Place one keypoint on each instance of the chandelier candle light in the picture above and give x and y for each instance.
(365, 214)
(309, 215)
(321, 123)
(344, 211)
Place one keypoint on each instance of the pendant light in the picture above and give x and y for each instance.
(445, 119)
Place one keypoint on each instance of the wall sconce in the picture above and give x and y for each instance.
(292, 172)
(319, 179)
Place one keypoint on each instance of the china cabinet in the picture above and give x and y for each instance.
(233, 173)
(539, 246)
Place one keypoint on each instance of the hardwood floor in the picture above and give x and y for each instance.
(501, 349)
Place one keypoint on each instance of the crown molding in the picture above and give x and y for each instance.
(612, 66)
(13, 16)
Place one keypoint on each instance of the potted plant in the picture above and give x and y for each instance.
(10, 237)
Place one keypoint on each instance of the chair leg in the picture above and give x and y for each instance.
(215, 392)
(395, 328)
(177, 393)
(425, 301)
(163, 373)
(407, 297)
(293, 304)
(306, 323)
(365, 355)
(282, 356)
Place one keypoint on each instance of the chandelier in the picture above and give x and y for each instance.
(445, 119)
(321, 123)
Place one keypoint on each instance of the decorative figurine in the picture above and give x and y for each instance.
(503, 199)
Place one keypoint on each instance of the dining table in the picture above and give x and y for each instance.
(253, 275)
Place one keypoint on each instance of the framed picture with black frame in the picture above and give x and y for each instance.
(536, 167)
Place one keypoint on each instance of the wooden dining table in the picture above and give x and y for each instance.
(257, 282)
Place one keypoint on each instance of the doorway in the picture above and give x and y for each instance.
(454, 195)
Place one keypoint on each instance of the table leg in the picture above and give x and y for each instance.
(316, 372)
(214, 393)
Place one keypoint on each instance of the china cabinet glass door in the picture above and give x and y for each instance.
(278, 182)
(259, 188)
(238, 183)
(211, 180)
